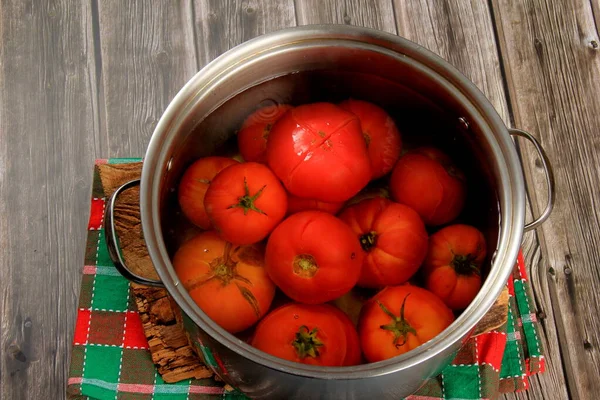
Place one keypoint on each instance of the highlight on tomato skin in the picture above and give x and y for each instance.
(254, 133)
(245, 202)
(228, 282)
(194, 184)
(452, 268)
(317, 150)
(383, 140)
(392, 237)
(308, 334)
(399, 319)
(426, 180)
(313, 257)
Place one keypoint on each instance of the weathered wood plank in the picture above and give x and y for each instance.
(146, 55)
(47, 128)
(221, 25)
(552, 66)
(377, 14)
(462, 33)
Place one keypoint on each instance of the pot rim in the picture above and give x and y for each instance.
(511, 198)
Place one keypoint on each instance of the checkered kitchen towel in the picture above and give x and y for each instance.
(110, 357)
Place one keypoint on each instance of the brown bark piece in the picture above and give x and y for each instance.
(175, 359)
(496, 316)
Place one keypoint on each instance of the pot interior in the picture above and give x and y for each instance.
(427, 108)
(425, 115)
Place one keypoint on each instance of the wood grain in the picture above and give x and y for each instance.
(551, 67)
(221, 25)
(47, 128)
(146, 54)
(462, 33)
(377, 14)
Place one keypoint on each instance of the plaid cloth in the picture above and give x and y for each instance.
(111, 360)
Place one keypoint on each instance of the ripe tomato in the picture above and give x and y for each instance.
(353, 352)
(308, 334)
(452, 267)
(399, 319)
(297, 204)
(318, 152)
(393, 238)
(426, 180)
(380, 133)
(245, 202)
(193, 186)
(252, 138)
(313, 257)
(228, 282)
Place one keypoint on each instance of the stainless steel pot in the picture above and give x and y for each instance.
(301, 64)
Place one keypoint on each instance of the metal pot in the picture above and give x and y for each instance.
(316, 62)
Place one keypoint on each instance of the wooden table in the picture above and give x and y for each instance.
(81, 80)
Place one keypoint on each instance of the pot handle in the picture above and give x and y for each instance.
(112, 240)
(549, 178)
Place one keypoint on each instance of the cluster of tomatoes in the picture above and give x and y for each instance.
(294, 216)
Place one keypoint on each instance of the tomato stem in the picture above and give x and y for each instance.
(465, 265)
(399, 326)
(368, 240)
(224, 269)
(247, 202)
(307, 342)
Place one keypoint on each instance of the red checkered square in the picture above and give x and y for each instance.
(134, 333)
(490, 349)
(81, 327)
(511, 287)
(106, 328)
(96, 214)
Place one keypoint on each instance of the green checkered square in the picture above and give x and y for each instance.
(512, 365)
(532, 342)
(462, 382)
(103, 258)
(171, 391)
(101, 371)
(110, 293)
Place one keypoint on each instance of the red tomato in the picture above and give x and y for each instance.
(252, 138)
(318, 152)
(381, 135)
(452, 267)
(353, 352)
(426, 180)
(393, 238)
(399, 319)
(228, 282)
(194, 184)
(308, 334)
(245, 202)
(313, 257)
(297, 204)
